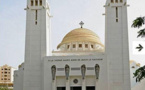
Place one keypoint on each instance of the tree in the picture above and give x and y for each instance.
(138, 23)
(140, 74)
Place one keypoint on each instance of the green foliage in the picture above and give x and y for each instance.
(138, 22)
(5, 88)
(140, 74)
(141, 33)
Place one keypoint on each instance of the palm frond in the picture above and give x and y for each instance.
(141, 33)
(140, 74)
(138, 22)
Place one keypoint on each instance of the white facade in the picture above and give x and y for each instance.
(116, 45)
(139, 86)
(81, 63)
(19, 77)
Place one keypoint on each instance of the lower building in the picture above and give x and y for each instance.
(6, 76)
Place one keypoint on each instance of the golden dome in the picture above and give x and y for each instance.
(81, 35)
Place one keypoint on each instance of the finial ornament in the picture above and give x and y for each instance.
(81, 24)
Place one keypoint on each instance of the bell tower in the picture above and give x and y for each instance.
(37, 42)
(116, 45)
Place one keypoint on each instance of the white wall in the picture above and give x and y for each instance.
(90, 74)
(140, 86)
(18, 78)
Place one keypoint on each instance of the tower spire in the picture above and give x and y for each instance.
(116, 44)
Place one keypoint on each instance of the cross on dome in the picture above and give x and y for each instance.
(81, 24)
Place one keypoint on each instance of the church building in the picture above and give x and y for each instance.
(81, 62)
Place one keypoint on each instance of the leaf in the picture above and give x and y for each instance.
(141, 33)
(138, 22)
(139, 74)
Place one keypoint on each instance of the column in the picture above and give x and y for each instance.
(38, 2)
(67, 85)
(34, 4)
(54, 85)
(96, 85)
(83, 84)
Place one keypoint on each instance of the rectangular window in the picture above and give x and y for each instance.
(36, 15)
(92, 46)
(36, 2)
(67, 46)
(31, 2)
(40, 2)
(112, 1)
(80, 45)
(116, 14)
(116, 1)
(121, 1)
(86, 45)
(116, 20)
(35, 22)
(74, 46)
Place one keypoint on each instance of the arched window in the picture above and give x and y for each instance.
(116, 1)
(80, 45)
(92, 46)
(40, 2)
(86, 45)
(68, 46)
(112, 1)
(74, 46)
(36, 2)
(31, 2)
(121, 1)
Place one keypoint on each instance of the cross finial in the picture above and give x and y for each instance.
(81, 23)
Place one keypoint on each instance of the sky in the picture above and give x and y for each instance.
(67, 15)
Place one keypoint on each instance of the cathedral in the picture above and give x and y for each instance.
(81, 62)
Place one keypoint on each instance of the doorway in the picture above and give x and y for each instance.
(76, 88)
(61, 88)
(90, 88)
